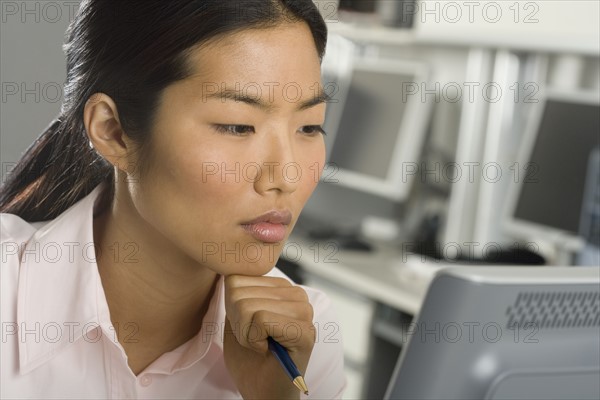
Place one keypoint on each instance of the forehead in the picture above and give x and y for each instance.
(272, 56)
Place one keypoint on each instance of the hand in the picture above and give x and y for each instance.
(258, 307)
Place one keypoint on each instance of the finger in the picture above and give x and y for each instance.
(233, 281)
(243, 313)
(291, 293)
(293, 334)
(244, 309)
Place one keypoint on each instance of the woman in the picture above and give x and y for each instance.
(140, 231)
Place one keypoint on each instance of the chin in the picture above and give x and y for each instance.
(253, 258)
(251, 269)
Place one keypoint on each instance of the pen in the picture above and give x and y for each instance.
(287, 363)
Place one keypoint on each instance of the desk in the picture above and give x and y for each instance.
(386, 275)
(360, 284)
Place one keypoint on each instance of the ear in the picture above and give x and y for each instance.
(106, 135)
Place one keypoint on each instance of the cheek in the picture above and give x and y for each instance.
(204, 172)
(196, 199)
(313, 162)
(184, 196)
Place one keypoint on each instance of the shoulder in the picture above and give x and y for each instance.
(15, 229)
(15, 233)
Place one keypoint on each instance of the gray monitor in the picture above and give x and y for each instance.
(378, 130)
(559, 141)
(504, 333)
(336, 71)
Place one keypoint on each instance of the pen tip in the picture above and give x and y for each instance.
(300, 384)
(306, 393)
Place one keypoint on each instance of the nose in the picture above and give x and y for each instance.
(279, 170)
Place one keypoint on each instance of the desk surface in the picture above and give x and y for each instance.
(386, 274)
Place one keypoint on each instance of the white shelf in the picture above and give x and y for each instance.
(367, 32)
(372, 33)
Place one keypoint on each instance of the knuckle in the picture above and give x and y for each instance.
(235, 295)
(311, 333)
(282, 282)
(244, 306)
(308, 312)
(261, 317)
(299, 293)
(232, 281)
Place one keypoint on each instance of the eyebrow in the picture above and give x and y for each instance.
(231, 94)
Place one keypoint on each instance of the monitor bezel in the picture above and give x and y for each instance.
(528, 230)
(478, 280)
(410, 137)
(338, 61)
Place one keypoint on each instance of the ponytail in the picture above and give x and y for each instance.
(57, 170)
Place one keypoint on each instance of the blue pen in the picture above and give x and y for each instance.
(287, 363)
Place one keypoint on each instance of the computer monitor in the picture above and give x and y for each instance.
(561, 136)
(589, 225)
(336, 72)
(379, 127)
(504, 333)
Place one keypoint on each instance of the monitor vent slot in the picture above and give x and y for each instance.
(550, 310)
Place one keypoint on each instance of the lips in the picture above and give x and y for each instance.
(270, 227)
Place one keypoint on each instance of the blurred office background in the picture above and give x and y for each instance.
(460, 133)
(463, 134)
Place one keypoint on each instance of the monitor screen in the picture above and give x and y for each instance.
(546, 201)
(553, 186)
(381, 127)
(369, 126)
(503, 332)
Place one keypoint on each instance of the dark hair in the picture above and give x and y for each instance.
(130, 50)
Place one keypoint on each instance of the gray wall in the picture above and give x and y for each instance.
(32, 71)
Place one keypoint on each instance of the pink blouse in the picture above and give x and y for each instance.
(58, 340)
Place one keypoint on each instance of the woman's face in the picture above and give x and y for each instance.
(238, 139)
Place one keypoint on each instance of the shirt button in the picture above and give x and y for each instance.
(145, 380)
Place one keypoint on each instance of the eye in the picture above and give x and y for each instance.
(235, 130)
(312, 130)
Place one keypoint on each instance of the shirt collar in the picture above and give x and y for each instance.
(58, 284)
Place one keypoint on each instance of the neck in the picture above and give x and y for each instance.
(150, 283)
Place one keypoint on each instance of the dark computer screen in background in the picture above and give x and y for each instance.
(553, 186)
(369, 126)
